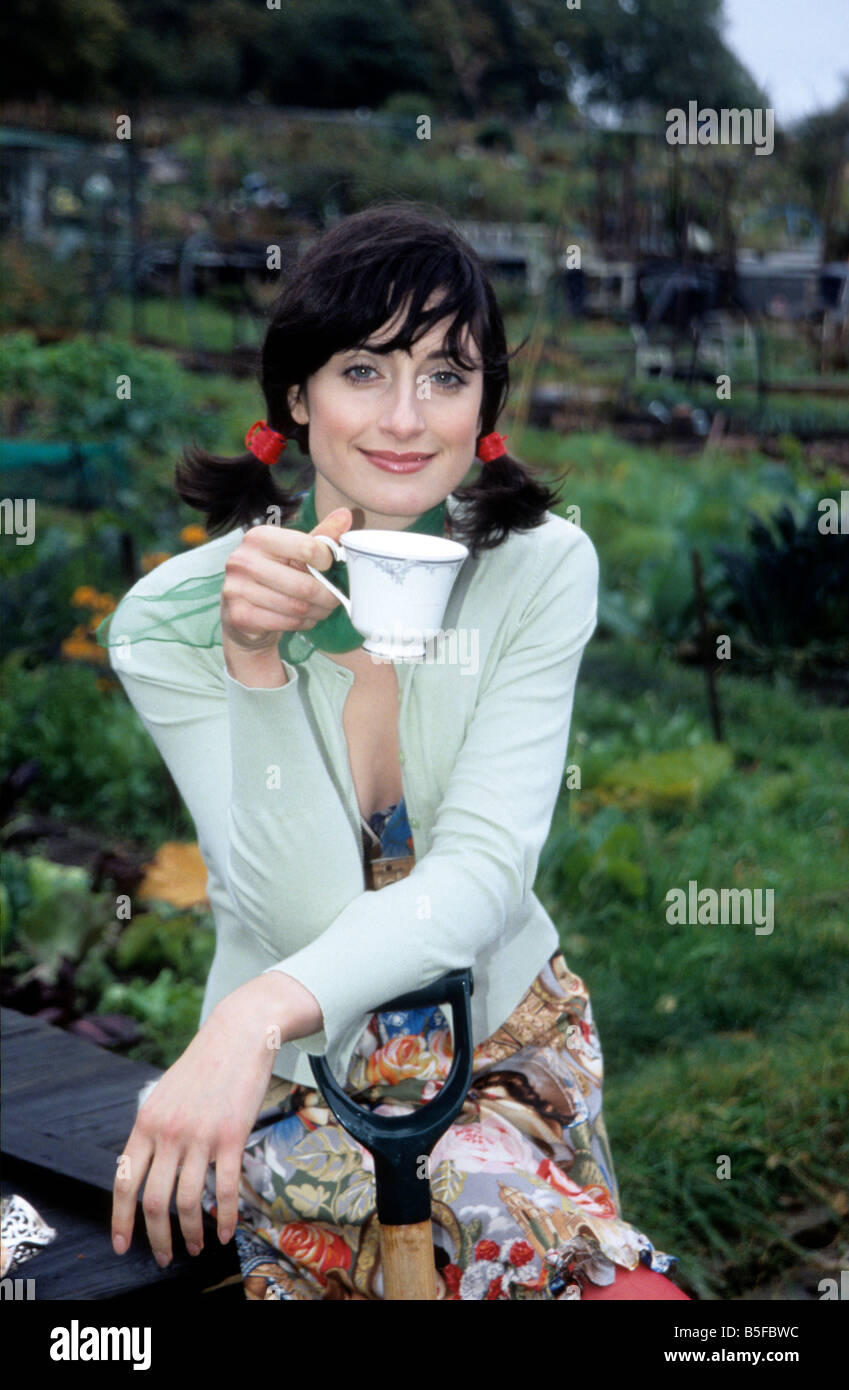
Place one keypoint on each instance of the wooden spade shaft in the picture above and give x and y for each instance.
(406, 1256)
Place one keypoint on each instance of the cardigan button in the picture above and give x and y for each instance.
(414, 825)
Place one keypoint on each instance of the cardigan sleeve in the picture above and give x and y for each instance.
(250, 771)
(179, 693)
(490, 828)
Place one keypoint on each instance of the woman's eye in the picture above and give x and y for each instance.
(453, 385)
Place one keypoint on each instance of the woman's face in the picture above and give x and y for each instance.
(400, 403)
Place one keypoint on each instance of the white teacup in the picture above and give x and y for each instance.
(400, 584)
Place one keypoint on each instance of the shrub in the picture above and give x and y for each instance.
(790, 594)
(98, 764)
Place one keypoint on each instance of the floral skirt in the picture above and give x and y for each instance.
(524, 1197)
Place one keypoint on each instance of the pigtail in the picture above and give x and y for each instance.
(505, 497)
(232, 492)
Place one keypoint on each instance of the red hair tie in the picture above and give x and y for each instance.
(265, 443)
(492, 447)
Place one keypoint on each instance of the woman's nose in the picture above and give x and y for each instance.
(402, 412)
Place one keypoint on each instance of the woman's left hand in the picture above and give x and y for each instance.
(202, 1111)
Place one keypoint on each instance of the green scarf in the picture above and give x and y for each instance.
(190, 612)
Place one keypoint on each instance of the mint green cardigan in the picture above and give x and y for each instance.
(266, 778)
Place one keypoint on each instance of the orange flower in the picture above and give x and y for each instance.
(86, 597)
(154, 558)
(79, 647)
(193, 535)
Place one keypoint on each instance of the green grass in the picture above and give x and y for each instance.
(775, 1104)
(202, 323)
(716, 1040)
(804, 414)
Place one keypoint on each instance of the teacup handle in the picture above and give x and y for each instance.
(338, 552)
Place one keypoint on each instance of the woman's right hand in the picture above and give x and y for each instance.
(267, 588)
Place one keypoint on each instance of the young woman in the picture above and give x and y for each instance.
(303, 762)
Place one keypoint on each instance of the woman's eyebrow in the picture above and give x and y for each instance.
(440, 355)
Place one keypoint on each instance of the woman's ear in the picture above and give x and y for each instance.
(297, 407)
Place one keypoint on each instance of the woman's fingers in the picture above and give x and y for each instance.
(254, 607)
(201, 1110)
(228, 1167)
(190, 1187)
(274, 596)
(157, 1198)
(267, 588)
(287, 577)
(131, 1168)
(260, 562)
(189, 1193)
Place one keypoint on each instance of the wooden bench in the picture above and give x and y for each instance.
(68, 1108)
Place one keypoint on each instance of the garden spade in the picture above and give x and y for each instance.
(399, 1143)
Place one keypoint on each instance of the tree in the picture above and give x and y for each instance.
(334, 54)
(60, 48)
(821, 155)
(468, 56)
(638, 54)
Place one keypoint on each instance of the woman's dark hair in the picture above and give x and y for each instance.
(351, 282)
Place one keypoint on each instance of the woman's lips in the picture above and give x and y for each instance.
(403, 463)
